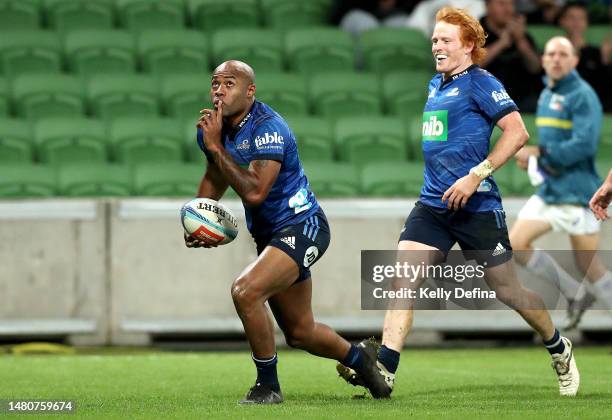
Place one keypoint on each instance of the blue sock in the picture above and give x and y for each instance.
(389, 358)
(555, 345)
(354, 358)
(266, 372)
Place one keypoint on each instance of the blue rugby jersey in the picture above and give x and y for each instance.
(458, 119)
(264, 135)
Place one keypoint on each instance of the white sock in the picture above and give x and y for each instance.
(542, 264)
(603, 289)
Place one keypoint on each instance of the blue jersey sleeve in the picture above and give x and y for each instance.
(269, 139)
(491, 97)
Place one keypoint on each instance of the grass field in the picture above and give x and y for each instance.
(487, 383)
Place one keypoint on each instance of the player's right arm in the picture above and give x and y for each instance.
(212, 185)
(513, 138)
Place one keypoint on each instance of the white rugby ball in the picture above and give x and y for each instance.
(209, 221)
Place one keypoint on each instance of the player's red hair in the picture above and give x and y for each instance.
(471, 31)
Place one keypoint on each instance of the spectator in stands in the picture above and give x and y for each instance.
(424, 14)
(594, 65)
(511, 53)
(545, 12)
(361, 15)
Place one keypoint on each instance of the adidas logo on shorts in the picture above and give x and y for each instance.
(289, 240)
(499, 249)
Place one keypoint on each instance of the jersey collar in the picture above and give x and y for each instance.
(566, 81)
(231, 132)
(456, 76)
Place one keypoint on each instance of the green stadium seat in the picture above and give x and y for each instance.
(94, 52)
(142, 140)
(190, 144)
(388, 50)
(138, 15)
(392, 179)
(15, 141)
(113, 96)
(173, 51)
(530, 124)
(68, 15)
(414, 127)
(284, 92)
(21, 181)
(314, 138)
(335, 95)
(38, 95)
(94, 180)
(405, 93)
(506, 178)
(289, 14)
(606, 129)
(363, 140)
(262, 49)
(330, 179)
(312, 50)
(183, 96)
(63, 140)
(597, 33)
(604, 151)
(210, 15)
(542, 33)
(19, 14)
(603, 167)
(24, 52)
(5, 98)
(168, 179)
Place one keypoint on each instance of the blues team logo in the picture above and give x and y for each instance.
(244, 145)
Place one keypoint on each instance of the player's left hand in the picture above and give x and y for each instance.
(460, 192)
(211, 123)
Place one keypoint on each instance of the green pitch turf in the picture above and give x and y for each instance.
(488, 383)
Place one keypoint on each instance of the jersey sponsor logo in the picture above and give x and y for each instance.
(311, 255)
(500, 96)
(299, 202)
(244, 120)
(289, 240)
(244, 145)
(463, 73)
(435, 125)
(453, 92)
(267, 138)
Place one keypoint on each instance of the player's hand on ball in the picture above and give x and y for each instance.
(191, 242)
(460, 192)
(211, 122)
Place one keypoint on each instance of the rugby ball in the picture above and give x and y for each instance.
(209, 221)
